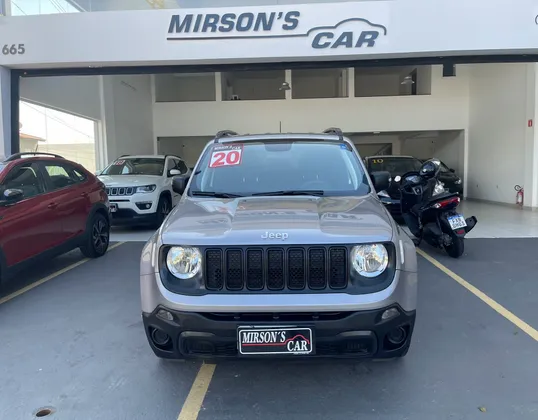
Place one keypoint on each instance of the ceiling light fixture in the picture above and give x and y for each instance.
(285, 86)
(408, 80)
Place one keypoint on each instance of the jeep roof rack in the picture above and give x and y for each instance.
(335, 130)
(224, 133)
(20, 155)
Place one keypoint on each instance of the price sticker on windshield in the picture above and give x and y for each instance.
(226, 155)
(119, 162)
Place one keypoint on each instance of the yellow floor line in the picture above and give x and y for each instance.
(196, 396)
(51, 276)
(518, 322)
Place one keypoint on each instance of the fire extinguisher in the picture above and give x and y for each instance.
(520, 195)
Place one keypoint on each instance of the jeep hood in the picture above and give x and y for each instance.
(128, 180)
(303, 220)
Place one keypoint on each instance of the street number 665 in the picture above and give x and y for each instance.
(13, 49)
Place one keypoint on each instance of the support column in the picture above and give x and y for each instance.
(218, 86)
(534, 163)
(531, 139)
(5, 7)
(107, 140)
(288, 81)
(5, 112)
(351, 82)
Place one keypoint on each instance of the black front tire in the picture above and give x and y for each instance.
(97, 238)
(456, 249)
(163, 208)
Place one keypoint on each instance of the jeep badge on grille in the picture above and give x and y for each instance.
(282, 236)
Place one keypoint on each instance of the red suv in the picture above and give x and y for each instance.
(49, 206)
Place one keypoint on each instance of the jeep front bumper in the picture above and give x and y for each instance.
(176, 335)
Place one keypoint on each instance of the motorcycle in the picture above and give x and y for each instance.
(429, 210)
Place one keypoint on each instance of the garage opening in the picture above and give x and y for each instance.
(43, 129)
(415, 110)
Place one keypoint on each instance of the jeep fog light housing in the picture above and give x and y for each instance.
(370, 260)
(184, 262)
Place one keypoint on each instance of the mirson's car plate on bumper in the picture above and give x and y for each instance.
(275, 340)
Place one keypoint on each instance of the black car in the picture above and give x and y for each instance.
(396, 166)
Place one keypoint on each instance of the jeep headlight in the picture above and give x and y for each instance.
(370, 260)
(146, 188)
(184, 262)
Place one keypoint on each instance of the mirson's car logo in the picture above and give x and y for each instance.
(248, 25)
(282, 236)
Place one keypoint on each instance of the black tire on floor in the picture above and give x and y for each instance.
(456, 249)
(98, 237)
(163, 208)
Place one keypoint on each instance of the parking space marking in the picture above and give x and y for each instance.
(51, 276)
(196, 396)
(483, 297)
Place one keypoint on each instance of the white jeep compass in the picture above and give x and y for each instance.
(140, 188)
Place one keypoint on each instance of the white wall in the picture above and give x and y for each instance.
(127, 108)
(497, 130)
(77, 95)
(187, 148)
(322, 83)
(376, 84)
(257, 85)
(370, 144)
(420, 147)
(445, 109)
(448, 146)
(185, 88)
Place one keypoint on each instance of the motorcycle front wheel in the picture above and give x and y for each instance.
(455, 250)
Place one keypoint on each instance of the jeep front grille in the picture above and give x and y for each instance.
(120, 191)
(273, 268)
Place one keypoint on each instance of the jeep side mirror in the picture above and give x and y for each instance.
(12, 195)
(381, 180)
(452, 170)
(179, 183)
(174, 172)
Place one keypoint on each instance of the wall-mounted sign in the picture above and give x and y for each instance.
(346, 30)
(353, 32)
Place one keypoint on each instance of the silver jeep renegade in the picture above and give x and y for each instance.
(279, 247)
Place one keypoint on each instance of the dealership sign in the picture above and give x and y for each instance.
(346, 30)
(354, 32)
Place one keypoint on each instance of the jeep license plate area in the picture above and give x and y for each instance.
(457, 222)
(275, 340)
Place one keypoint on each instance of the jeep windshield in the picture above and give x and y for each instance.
(283, 167)
(135, 166)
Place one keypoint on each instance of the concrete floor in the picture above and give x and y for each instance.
(494, 221)
(76, 343)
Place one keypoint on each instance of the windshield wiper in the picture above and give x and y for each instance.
(214, 194)
(292, 192)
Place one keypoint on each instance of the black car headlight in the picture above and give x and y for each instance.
(184, 262)
(370, 260)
